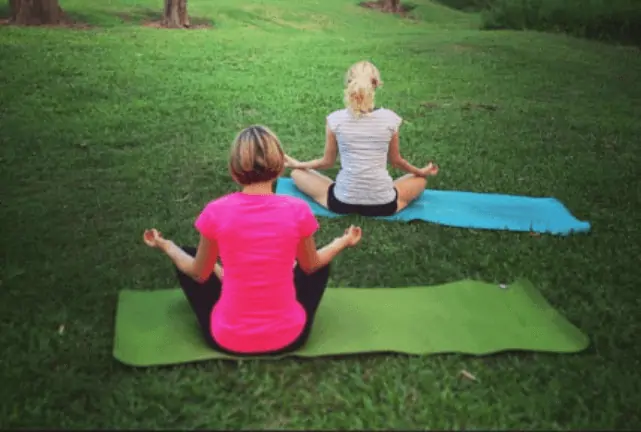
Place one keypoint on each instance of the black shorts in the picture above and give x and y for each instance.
(337, 206)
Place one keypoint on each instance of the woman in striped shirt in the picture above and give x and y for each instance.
(366, 137)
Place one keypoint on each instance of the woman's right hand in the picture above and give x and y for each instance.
(352, 236)
(153, 238)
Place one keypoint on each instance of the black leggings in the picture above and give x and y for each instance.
(367, 210)
(203, 297)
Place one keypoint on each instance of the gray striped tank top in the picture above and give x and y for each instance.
(363, 144)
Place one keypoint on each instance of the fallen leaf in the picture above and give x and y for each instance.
(468, 375)
(61, 329)
(430, 104)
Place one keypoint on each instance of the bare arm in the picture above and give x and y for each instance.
(397, 161)
(329, 157)
(199, 267)
(311, 259)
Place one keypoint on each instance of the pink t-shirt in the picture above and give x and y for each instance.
(257, 236)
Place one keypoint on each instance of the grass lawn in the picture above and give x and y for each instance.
(108, 131)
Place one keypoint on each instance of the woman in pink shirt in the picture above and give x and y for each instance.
(264, 301)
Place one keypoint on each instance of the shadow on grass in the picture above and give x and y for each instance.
(145, 16)
(106, 18)
(379, 6)
(465, 5)
(492, 359)
(70, 20)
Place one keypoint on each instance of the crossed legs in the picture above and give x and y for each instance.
(316, 185)
(312, 183)
(202, 298)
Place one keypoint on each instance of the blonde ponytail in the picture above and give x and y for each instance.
(361, 81)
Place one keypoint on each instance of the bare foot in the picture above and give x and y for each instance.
(218, 270)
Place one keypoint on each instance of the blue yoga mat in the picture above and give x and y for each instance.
(473, 210)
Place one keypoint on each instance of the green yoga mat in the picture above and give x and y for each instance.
(158, 327)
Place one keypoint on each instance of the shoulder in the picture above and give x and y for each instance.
(301, 214)
(294, 207)
(295, 203)
(341, 113)
(337, 117)
(218, 203)
(388, 114)
(390, 118)
(213, 214)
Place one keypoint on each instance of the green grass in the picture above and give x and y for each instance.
(613, 21)
(109, 131)
(609, 20)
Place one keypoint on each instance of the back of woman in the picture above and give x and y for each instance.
(257, 237)
(265, 300)
(363, 143)
(367, 138)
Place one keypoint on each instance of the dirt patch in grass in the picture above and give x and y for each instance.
(67, 22)
(379, 5)
(153, 19)
(193, 25)
(430, 105)
(463, 47)
(285, 18)
(467, 106)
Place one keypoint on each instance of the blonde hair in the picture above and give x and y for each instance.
(256, 156)
(361, 81)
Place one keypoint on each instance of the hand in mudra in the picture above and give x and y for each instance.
(352, 236)
(430, 170)
(153, 238)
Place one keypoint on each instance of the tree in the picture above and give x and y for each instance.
(176, 15)
(35, 12)
(392, 5)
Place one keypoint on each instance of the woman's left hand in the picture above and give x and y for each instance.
(352, 236)
(430, 170)
(153, 238)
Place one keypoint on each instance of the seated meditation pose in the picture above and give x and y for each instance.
(263, 298)
(366, 138)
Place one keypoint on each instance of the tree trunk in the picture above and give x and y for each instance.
(176, 15)
(35, 12)
(392, 5)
